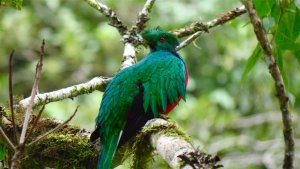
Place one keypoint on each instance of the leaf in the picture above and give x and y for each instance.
(263, 8)
(251, 61)
(289, 29)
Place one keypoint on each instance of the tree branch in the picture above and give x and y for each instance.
(189, 40)
(3, 134)
(16, 159)
(129, 55)
(176, 149)
(200, 26)
(197, 28)
(165, 137)
(34, 92)
(97, 83)
(279, 85)
(36, 120)
(143, 16)
(110, 14)
(132, 39)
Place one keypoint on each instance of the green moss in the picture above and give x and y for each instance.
(63, 149)
(74, 91)
(60, 151)
(83, 90)
(140, 151)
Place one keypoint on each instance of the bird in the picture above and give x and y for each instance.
(141, 92)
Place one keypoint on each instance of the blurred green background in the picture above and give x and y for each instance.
(238, 120)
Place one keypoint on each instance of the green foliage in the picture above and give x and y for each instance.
(283, 19)
(264, 8)
(288, 29)
(256, 55)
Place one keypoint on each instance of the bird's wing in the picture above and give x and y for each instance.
(117, 99)
(165, 82)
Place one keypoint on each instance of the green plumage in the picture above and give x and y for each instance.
(161, 74)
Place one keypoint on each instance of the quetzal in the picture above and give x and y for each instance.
(138, 93)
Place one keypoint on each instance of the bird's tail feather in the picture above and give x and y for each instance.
(108, 148)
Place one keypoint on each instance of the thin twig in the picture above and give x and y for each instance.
(261, 36)
(143, 16)
(56, 128)
(34, 91)
(11, 99)
(36, 121)
(110, 14)
(131, 39)
(189, 40)
(11, 145)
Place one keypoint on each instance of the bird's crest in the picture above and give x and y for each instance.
(157, 39)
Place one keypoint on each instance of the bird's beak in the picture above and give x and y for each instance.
(146, 43)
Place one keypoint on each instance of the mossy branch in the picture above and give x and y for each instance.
(175, 147)
(73, 144)
(168, 141)
(68, 147)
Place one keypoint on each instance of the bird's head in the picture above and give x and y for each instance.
(157, 39)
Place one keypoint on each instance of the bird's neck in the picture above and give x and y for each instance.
(156, 49)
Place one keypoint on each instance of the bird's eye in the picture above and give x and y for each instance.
(162, 39)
